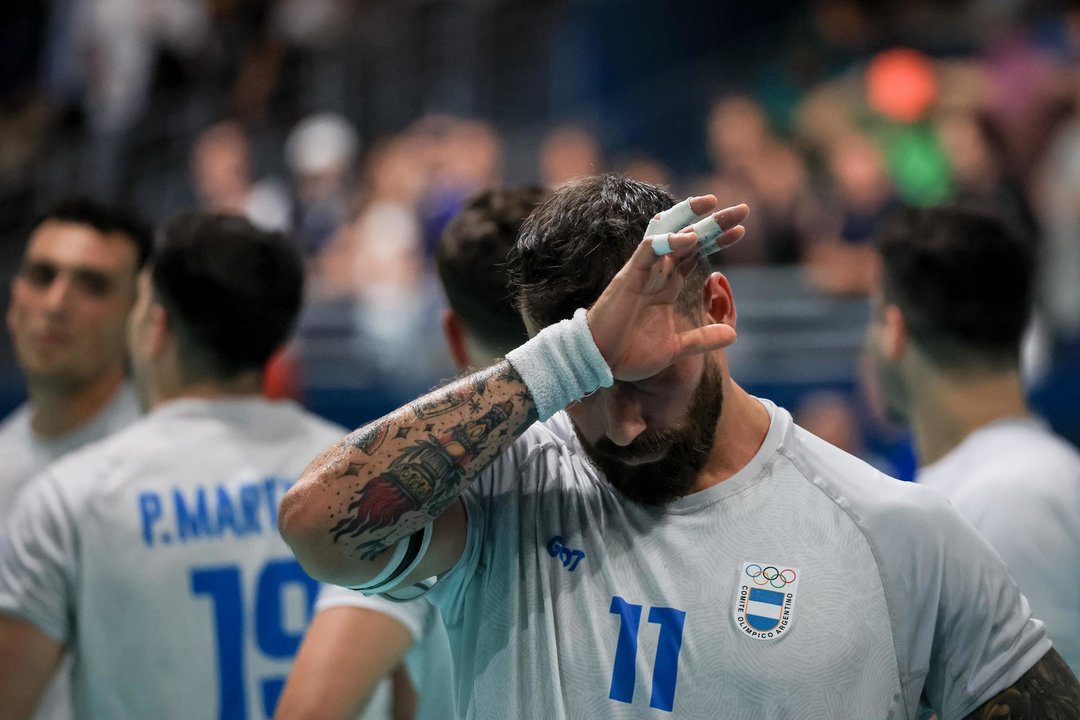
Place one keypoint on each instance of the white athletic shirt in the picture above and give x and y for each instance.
(155, 557)
(1019, 484)
(807, 585)
(428, 660)
(23, 454)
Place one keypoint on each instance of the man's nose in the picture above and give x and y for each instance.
(59, 293)
(622, 415)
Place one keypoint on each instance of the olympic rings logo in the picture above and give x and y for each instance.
(770, 575)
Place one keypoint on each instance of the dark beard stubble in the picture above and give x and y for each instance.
(658, 483)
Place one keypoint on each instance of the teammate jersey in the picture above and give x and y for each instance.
(807, 585)
(155, 557)
(24, 454)
(1019, 485)
(427, 661)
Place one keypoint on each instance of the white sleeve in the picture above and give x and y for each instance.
(37, 560)
(449, 592)
(967, 626)
(412, 614)
(492, 503)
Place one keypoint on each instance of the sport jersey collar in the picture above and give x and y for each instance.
(779, 427)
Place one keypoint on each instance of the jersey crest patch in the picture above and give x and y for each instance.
(765, 600)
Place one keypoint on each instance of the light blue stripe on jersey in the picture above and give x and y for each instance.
(766, 596)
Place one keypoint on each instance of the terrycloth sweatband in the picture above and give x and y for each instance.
(561, 364)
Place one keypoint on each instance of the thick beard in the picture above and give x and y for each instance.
(688, 447)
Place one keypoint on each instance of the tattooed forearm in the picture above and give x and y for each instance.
(393, 476)
(422, 477)
(1048, 691)
(368, 439)
(437, 403)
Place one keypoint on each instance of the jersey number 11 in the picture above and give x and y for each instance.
(666, 664)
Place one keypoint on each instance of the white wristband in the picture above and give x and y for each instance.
(561, 364)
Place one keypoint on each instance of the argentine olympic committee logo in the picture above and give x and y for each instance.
(765, 599)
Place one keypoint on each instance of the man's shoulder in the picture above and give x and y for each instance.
(1025, 461)
(885, 508)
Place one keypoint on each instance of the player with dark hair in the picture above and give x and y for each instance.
(949, 315)
(481, 322)
(152, 556)
(69, 305)
(685, 548)
(356, 640)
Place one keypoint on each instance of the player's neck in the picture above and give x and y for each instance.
(58, 409)
(243, 385)
(743, 425)
(949, 408)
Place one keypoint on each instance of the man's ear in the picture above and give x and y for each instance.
(454, 332)
(894, 333)
(158, 335)
(718, 300)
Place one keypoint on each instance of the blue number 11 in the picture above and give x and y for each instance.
(666, 665)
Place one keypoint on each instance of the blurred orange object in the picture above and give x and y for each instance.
(901, 84)
(281, 378)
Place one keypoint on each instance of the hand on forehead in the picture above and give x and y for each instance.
(697, 215)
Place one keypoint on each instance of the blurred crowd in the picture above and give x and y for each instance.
(851, 110)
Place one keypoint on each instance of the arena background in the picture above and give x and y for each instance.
(358, 126)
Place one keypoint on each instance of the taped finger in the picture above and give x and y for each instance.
(661, 244)
(707, 230)
(674, 218)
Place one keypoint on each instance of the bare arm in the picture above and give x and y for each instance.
(1048, 691)
(393, 476)
(28, 659)
(345, 653)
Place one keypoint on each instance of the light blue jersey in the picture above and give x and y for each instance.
(1019, 484)
(24, 454)
(808, 585)
(154, 556)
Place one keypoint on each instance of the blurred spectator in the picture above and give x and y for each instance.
(372, 284)
(120, 41)
(567, 152)
(737, 133)
(1027, 97)
(644, 168)
(382, 244)
(833, 417)
(222, 175)
(752, 164)
(321, 152)
(466, 158)
(842, 261)
(979, 174)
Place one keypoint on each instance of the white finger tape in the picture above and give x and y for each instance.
(661, 244)
(674, 219)
(707, 230)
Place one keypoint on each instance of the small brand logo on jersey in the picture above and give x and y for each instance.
(569, 556)
(765, 599)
